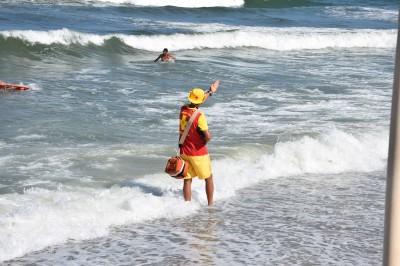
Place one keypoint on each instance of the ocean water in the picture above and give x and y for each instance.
(299, 123)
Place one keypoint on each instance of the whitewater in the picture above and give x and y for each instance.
(266, 38)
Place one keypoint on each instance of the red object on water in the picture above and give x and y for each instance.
(9, 86)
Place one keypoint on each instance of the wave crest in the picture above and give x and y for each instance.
(266, 38)
(178, 3)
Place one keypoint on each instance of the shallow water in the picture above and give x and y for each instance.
(334, 222)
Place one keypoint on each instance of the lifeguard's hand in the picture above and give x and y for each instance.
(214, 86)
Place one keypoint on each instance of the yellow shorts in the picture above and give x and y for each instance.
(199, 166)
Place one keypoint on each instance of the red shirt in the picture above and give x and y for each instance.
(194, 143)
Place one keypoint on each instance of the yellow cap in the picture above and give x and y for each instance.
(196, 96)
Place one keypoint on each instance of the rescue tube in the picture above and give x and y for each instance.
(9, 86)
(177, 167)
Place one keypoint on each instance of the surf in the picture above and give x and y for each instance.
(79, 212)
(280, 3)
(175, 3)
(278, 39)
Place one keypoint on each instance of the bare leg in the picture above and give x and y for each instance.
(187, 189)
(210, 190)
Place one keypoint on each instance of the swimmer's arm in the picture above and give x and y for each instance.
(158, 58)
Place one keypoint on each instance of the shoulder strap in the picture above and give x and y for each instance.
(189, 124)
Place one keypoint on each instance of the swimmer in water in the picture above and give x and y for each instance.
(165, 56)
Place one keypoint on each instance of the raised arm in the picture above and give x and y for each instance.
(213, 89)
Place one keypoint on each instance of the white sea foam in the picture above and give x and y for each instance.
(332, 153)
(29, 137)
(5, 159)
(267, 38)
(62, 36)
(84, 213)
(177, 3)
(34, 87)
(356, 12)
(144, 3)
(41, 217)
